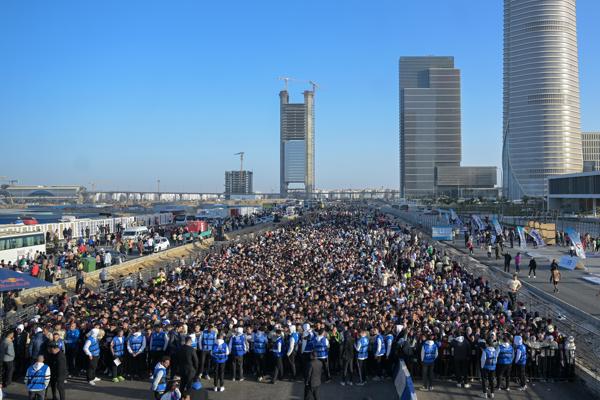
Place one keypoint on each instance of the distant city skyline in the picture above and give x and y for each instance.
(122, 94)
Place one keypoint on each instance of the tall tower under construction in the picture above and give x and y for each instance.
(297, 144)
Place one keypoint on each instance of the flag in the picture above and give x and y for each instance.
(537, 237)
(455, 217)
(404, 384)
(576, 240)
(521, 233)
(497, 226)
(478, 222)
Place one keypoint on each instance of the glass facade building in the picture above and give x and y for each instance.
(541, 115)
(430, 119)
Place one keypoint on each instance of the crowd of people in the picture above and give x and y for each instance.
(342, 291)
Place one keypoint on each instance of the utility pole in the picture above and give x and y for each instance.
(158, 188)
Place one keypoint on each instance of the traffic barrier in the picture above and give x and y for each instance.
(404, 383)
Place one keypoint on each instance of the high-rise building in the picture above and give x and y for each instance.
(429, 121)
(541, 127)
(590, 142)
(297, 144)
(238, 182)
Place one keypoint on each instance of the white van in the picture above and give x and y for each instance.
(135, 233)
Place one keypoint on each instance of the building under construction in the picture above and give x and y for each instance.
(297, 143)
(238, 182)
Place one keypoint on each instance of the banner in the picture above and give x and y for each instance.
(497, 226)
(568, 262)
(478, 222)
(521, 233)
(404, 384)
(455, 217)
(441, 233)
(537, 237)
(576, 240)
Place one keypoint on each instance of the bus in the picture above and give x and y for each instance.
(16, 245)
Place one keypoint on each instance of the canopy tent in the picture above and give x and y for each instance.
(11, 280)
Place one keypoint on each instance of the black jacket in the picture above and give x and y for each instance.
(462, 349)
(347, 348)
(187, 360)
(313, 376)
(58, 366)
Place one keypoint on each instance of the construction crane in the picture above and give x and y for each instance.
(241, 154)
(314, 85)
(286, 80)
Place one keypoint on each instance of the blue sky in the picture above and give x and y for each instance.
(125, 92)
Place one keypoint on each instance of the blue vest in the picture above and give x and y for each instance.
(72, 337)
(135, 342)
(118, 346)
(36, 380)
(195, 343)
(523, 359)
(278, 341)
(490, 359)
(296, 340)
(430, 351)
(260, 343)
(208, 340)
(157, 340)
(61, 344)
(320, 346)
(378, 340)
(363, 349)
(94, 347)
(309, 343)
(238, 345)
(162, 384)
(389, 341)
(505, 355)
(219, 353)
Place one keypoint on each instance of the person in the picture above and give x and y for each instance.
(292, 348)
(159, 377)
(188, 365)
(21, 340)
(378, 353)
(507, 259)
(219, 355)
(239, 346)
(91, 349)
(429, 353)
(321, 347)
(488, 367)
(505, 360)
(555, 275)
(277, 350)
(72, 337)
(38, 343)
(362, 353)
(461, 349)
(259, 349)
(520, 361)
(518, 262)
(347, 355)
(158, 344)
(58, 367)
(489, 250)
(207, 342)
(514, 285)
(312, 380)
(8, 359)
(532, 267)
(37, 379)
(80, 284)
(136, 346)
(173, 392)
(117, 349)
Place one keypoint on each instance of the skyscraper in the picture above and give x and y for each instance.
(541, 128)
(238, 182)
(429, 121)
(297, 144)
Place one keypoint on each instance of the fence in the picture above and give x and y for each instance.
(592, 227)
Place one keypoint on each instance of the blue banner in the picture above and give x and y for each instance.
(404, 384)
(478, 222)
(455, 218)
(576, 240)
(441, 233)
(521, 233)
(537, 237)
(497, 226)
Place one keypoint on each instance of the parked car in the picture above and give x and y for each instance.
(161, 244)
(135, 233)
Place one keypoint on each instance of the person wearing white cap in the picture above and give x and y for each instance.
(239, 347)
(91, 348)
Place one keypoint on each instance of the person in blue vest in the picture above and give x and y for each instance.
(158, 344)
(219, 355)
(207, 342)
(505, 360)
(362, 354)
(390, 357)
(378, 353)
(489, 358)
(159, 377)
(239, 347)
(321, 347)
(291, 348)
(259, 348)
(58, 341)
(117, 349)
(277, 351)
(72, 337)
(136, 344)
(429, 353)
(37, 379)
(196, 340)
(520, 361)
(91, 349)
(306, 347)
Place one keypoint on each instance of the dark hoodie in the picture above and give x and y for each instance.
(462, 348)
